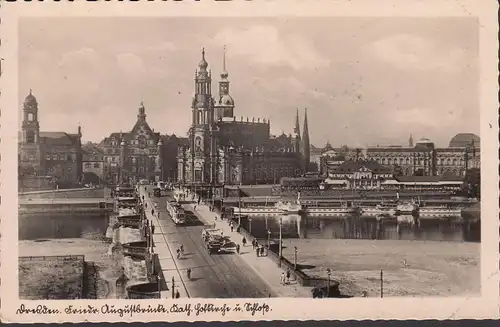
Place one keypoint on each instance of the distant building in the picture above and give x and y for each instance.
(93, 165)
(424, 159)
(358, 175)
(222, 149)
(54, 156)
(133, 155)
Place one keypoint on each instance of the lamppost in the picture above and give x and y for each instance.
(250, 225)
(281, 241)
(328, 273)
(268, 239)
(159, 285)
(295, 257)
(239, 206)
(173, 287)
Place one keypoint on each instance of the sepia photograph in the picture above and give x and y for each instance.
(174, 158)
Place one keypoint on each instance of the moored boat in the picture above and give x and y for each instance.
(381, 209)
(344, 209)
(407, 207)
(439, 211)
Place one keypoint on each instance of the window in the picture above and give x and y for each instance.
(31, 117)
(88, 165)
(30, 136)
(96, 165)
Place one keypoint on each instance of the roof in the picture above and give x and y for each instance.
(420, 179)
(58, 138)
(461, 140)
(352, 166)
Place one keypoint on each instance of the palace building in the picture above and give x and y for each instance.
(224, 149)
(53, 157)
(421, 158)
(132, 156)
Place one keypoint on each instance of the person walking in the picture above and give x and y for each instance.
(182, 249)
(152, 228)
(257, 251)
(178, 253)
(231, 227)
(238, 248)
(188, 271)
(262, 251)
(282, 278)
(244, 241)
(177, 294)
(288, 275)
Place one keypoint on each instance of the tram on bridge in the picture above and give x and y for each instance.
(176, 212)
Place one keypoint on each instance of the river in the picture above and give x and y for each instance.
(451, 229)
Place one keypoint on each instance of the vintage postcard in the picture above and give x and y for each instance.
(225, 161)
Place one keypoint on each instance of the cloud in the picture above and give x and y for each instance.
(410, 52)
(82, 57)
(130, 64)
(264, 45)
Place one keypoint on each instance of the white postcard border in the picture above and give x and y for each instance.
(484, 306)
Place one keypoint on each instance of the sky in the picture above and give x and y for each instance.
(364, 81)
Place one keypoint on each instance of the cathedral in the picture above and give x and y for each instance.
(46, 159)
(222, 149)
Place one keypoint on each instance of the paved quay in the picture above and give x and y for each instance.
(212, 276)
(267, 269)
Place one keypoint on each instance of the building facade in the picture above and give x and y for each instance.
(222, 149)
(135, 155)
(54, 155)
(93, 165)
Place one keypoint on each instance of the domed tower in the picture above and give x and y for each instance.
(30, 126)
(141, 116)
(225, 105)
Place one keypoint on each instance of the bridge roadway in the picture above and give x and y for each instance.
(212, 276)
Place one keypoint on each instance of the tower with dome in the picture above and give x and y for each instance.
(46, 158)
(224, 149)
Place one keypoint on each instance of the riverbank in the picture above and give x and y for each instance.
(106, 268)
(432, 268)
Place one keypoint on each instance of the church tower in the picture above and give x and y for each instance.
(225, 105)
(203, 118)
(30, 126)
(296, 131)
(30, 154)
(306, 151)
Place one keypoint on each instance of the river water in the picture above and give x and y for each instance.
(35, 227)
(451, 229)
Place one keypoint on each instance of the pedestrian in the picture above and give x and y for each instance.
(288, 275)
(152, 228)
(257, 251)
(178, 253)
(238, 229)
(195, 207)
(231, 226)
(244, 241)
(177, 294)
(182, 249)
(152, 212)
(253, 244)
(262, 251)
(282, 278)
(188, 271)
(238, 248)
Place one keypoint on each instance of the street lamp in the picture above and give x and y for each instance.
(250, 225)
(173, 287)
(329, 273)
(268, 239)
(295, 257)
(281, 241)
(159, 285)
(239, 206)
